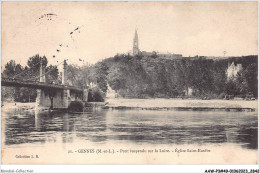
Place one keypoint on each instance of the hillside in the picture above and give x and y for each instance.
(141, 77)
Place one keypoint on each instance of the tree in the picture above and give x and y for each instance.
(25, 94)
(34, 64)
(52, 75)
(231, 87)
(12, 70)
(101, 71)
(242, 84)
(154, 54)
(250, 75)
(116, 80)
(31, 71)
(34, 61)
(77, 76)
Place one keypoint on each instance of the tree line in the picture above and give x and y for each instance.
(141, 77)
(145, 76)
(29, 72)
(153, 76)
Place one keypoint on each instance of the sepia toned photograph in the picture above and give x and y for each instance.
(129, 82)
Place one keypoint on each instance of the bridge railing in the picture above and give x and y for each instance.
(18, 81)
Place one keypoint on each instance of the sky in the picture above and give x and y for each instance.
(103, 29)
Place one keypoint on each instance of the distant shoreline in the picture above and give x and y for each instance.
(183, 105)
(163, 104)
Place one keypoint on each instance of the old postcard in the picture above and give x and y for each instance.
(129, 83)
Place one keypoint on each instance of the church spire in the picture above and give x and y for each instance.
(135, 44)
(136, 35)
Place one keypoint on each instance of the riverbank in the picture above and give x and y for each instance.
(162, 104)
(11, 105)
(179, 104)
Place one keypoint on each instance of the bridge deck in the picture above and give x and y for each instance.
(37, 85)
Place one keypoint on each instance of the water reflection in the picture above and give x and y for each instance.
(153, 127)
(92, 126)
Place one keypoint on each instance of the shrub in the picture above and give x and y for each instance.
(221, 95)
(96, 95)
(76, 106)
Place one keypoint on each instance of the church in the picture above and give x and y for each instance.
(137, 52)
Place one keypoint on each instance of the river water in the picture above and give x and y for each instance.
(25, 126)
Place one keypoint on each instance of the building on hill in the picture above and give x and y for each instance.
(206, 57)
(136, 51)
(195, 57)
(169, 55)
(216, 58)
(232, 70)
(148, 54)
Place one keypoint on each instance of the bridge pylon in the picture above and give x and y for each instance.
(55, 98)
(66, 92)
(40, 92)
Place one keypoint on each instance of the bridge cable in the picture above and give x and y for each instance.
(72, 74)
(25, 71)
(44, 73)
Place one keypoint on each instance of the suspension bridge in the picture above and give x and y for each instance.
(36, 85)
(54, 96)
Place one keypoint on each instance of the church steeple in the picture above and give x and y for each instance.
(135, 44)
